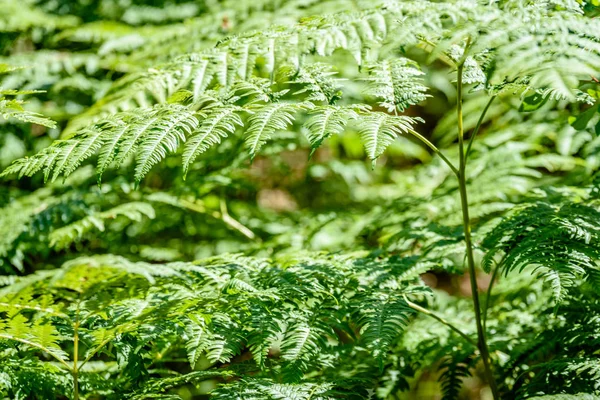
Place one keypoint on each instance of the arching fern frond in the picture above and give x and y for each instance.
(300, 341)
(382, 319)
(164, 136)
(496, 37)
(318, 82)
(12, 108)
(561, 243)
(258, 389)
(455, 369)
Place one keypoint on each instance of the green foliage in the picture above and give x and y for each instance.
(212, 310)
(232, 242)
(397, 81)
(11, 107)
(558, 242)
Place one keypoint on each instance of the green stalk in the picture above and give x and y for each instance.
(488, 296)
(433, 315)
(476, 130)
(75, 371)
(435, 150)
(462, 183)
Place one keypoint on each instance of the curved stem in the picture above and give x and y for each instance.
(479, 122)
(95, 350)
(425, 311)
(486, 306)
(223, 215)
(462, 183)
(435, 150)
(37, 346)
(235, 224)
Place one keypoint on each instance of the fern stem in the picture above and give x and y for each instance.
(234, 223)
(94, 351)
(435, 150)
(479, 122)
(75, 371)
(486, 306)
(223, 216)
(37, 346)
(425, 311)
(462, 183)
(35, 308)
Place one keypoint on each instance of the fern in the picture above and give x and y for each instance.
(103, 313)
(381, 320)
(262, 124)
(379, 130)
(455, 370)
(12, 108)
(560, 246)
(397, 83)
(64, 236)
(217, 125)
(314, 278)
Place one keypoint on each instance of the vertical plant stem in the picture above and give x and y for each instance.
(75, 371)
(462, 183)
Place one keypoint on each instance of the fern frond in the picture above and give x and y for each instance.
(255, 389)
(397, 82)
(300, 343)
(559, 242)
(318, 82)
(154, 388)
(63, 237)
(218, 124)
(13, 109)
(378, 130)
(164, 136)
(265, 331)
(267, 120)
(325, 121)
(381, 320)
(455, 369)
(577, 396)
(195, 344)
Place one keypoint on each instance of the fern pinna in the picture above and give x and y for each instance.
(480, 121)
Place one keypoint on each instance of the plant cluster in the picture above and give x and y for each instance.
(300, 199)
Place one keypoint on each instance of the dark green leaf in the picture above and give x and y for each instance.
(533, 102)
(584, 118)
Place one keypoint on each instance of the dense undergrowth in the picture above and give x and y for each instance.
(268, 199)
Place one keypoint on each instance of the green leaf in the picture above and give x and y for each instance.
(533, 102)
(582, 120)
